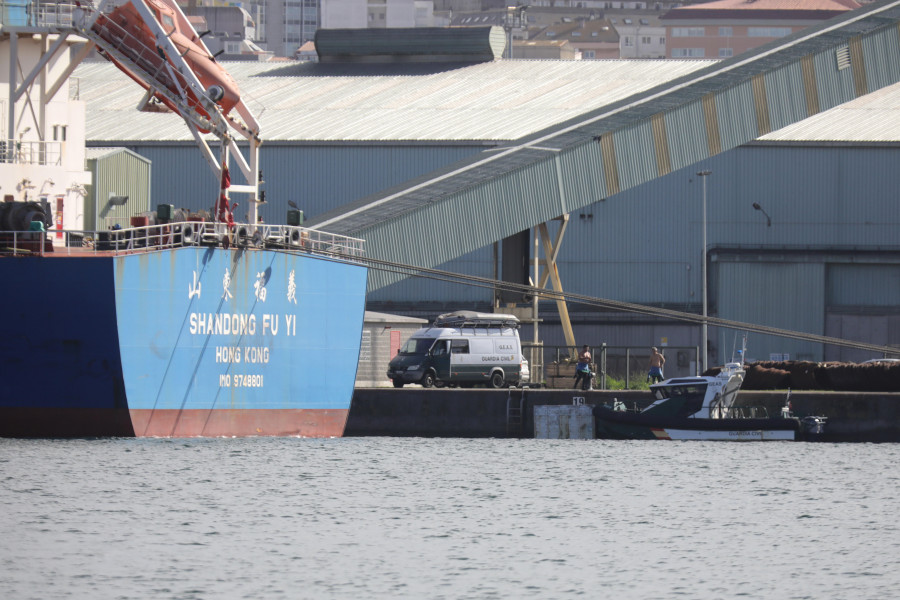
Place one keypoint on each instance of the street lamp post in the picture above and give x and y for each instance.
(756, 206)
(703, 327)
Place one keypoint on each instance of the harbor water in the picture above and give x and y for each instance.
(446, 518)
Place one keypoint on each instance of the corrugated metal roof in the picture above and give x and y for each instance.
(874, 117)
(311, 102)
(94, 153)
(761, 11)
(758, 5)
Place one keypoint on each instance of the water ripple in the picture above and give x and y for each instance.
(446, 518)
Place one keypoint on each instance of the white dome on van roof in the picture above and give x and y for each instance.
(469, 318)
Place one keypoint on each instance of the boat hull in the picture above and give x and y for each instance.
(181, 342)
(610, 424)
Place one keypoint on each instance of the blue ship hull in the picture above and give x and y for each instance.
(190, 341)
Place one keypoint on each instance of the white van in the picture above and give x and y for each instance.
(461, 348)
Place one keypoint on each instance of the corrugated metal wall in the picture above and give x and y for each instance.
(118, 173)
(317, 178)
(784, 295)
(863, 285)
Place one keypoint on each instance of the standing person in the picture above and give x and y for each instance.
(657, 361)
(583, 369)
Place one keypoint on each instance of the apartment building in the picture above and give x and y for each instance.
(726, 28)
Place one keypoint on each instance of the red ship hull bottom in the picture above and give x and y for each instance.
(294, 422)
(96, 422)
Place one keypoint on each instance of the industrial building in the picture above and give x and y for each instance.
(801, 223)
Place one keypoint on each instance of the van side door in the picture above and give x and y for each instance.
(460, 360)
(440, 359)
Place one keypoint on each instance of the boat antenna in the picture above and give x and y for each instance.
(742, 351)
(733, 344)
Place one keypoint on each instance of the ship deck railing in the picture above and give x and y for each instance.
(734, 412)
(164, 236)
(18, 152)
(38, 13)
(746, 412)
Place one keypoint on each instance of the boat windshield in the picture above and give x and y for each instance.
(417, 346)
(678, 391)
(685, 400)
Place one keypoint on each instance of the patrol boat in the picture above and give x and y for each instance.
(702, 408)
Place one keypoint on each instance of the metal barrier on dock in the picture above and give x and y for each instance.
(614, 367)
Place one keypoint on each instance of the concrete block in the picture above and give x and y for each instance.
(564, 422)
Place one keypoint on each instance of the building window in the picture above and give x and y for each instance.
(725, 32)
(59, 133)
(628, 43)
(688, 32)
(688, 53)
(645, 39)
(588, 54)
(726, 52)
(772, 32)
(232, 47)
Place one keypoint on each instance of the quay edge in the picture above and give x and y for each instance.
(508, 413)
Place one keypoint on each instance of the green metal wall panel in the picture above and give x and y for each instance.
(835, 86)
(635, 157)
(881, 52)
(736, 114)
(687, 135)
(784, 105)
(118, 173)
(581, 173)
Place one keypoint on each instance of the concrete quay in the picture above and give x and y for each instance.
(509, 413)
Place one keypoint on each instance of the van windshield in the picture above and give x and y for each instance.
(417, 346)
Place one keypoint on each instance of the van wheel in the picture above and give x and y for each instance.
(428, 380)
(497, 380)
(398, 383)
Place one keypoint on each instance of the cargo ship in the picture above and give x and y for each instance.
(177, 323)
(177, 338)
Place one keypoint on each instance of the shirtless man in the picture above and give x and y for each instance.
(583, 369)
(657, 361)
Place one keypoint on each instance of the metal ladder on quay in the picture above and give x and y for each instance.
(515, 412)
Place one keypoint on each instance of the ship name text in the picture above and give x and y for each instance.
(241, 324)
